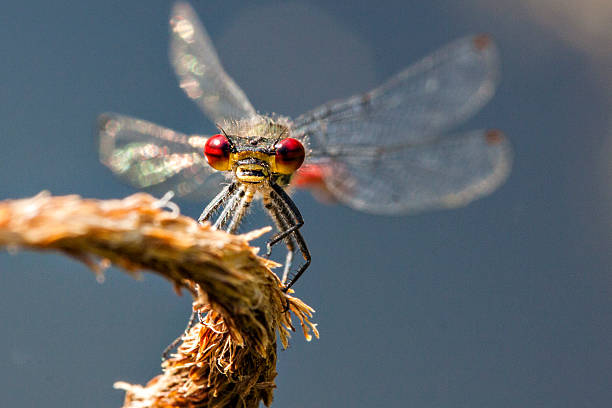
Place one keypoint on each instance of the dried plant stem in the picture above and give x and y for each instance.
(228, 359)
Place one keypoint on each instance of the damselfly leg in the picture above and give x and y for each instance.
(192, 321)
(282, 224)
(284, 212)
(217, 202)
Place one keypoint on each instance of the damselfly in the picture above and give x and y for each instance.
(384, 151)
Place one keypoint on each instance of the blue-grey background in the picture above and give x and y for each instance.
(504, 303)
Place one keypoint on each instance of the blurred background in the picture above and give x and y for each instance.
(505, 303)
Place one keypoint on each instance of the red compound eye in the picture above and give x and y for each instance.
(289, 155)
(217, 152)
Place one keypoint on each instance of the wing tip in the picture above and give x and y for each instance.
(484, 45)
(181, 7)
(108, 124)
(182, 22)
(494, 137)
(483, 41)
(103, 120)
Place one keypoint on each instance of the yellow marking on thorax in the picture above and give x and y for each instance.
(268, 158)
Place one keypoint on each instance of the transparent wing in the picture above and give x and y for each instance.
(151, 157)
(442, 172)
(199, 71)
(420, 102)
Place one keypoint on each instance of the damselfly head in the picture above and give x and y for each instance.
(255, 149)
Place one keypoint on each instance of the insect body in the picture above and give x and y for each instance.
(262, 161)
(385, 151)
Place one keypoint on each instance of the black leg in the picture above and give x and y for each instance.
(230, 207)
(282, 224)
(192, 320)
(289, 211)
(217, 202)
(293, 215)
(305, 253)
(240, 210)
(236, 201)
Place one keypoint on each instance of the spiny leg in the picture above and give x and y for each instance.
(192, 320)
(282, 225)
(288, 262)
(241, 210)
(230, 207)
(286, 206)
(301, 243)
(217, 202)
(293, 216)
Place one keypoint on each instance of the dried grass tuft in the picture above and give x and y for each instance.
(226, 360)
